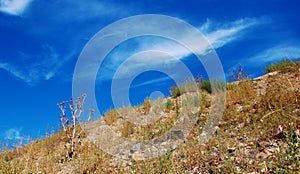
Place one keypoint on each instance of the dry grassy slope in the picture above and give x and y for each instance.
(253, 136)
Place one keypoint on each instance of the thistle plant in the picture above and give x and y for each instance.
(69, 124)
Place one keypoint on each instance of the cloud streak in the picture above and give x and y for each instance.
(217, 34)
(14, 7)
(46, 63)
(13, 134)
(92, 9)
(276, 53)
(228, 32)
(36, 67)
(15, 72)
(149, 82)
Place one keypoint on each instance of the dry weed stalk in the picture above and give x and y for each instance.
(70, 126)
(239, 75)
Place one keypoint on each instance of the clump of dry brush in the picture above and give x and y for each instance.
(70, 124)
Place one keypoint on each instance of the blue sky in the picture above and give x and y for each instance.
(40, 42)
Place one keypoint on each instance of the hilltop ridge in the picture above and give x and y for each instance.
(258, 133)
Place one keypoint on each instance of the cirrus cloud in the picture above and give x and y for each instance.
(276, 53)
(13, 134)
(217, 34)
(14, 7)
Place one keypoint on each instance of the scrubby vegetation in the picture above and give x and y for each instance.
(204, 85)
(259, 133)
(283, 66)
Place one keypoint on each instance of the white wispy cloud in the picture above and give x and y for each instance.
(36, 67)
(218, 34)
(149, 82)
(45, 64)
(13, 134)
(228, 32)
(15, 71)
(81, 9)
(14, 7)
(68, 13)
(276, 53)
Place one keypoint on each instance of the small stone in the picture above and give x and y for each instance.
(164, 143)
(278, 132)
(137, 156)
(239, 108)
(135, 148)
(262, 155)
(273, 149)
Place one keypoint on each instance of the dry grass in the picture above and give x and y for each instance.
(244, 142)
(111, 117)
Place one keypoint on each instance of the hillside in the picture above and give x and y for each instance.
(258, 133)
